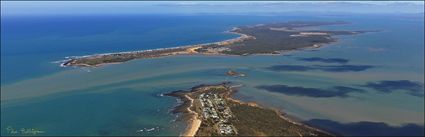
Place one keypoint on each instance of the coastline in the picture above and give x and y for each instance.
(188, 50)
(283, 115)
(194, 122)
(253, 40)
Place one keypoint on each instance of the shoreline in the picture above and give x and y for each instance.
(189, 50)
(194, 122)
(281, 114)
(252, 40)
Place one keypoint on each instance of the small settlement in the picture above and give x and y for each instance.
(221, 115)
(214, 109)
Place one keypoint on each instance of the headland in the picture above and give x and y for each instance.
(273, 38)
(211, 111)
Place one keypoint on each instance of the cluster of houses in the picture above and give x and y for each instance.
(301, 34)
(214, 108)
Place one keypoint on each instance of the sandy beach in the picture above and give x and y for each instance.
(194, 123)
(189, 50)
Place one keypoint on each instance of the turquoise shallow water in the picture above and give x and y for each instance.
(126, 98)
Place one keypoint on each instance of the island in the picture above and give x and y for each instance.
(211, 111)
(235, 74)
(273, 38)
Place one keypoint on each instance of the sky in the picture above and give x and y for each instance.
(16, 8)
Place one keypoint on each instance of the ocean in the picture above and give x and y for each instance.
(373, 81)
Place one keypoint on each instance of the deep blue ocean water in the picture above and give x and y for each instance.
(123, 99)
(30, 44)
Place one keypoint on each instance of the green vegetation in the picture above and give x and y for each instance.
(256, 121)
(216, 109)
(259, 39)
(273, 38)
(120, 57)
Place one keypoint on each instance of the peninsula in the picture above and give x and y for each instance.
(213, 112)
(272, 38)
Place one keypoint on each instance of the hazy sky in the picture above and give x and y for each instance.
(196, 7)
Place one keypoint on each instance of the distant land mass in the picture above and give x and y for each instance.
(273, 38)
(211, 111)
